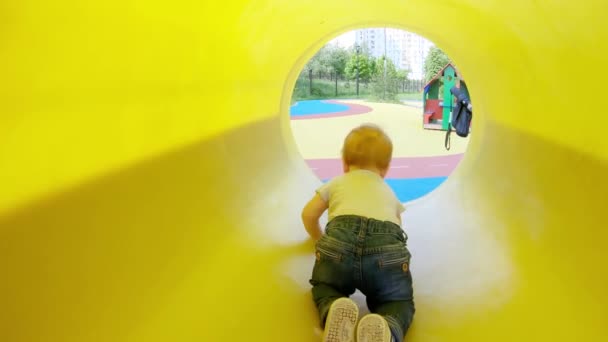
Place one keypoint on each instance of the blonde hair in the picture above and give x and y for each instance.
(367, 146)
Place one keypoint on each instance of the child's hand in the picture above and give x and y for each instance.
(311, 214)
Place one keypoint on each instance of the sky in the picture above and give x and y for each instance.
(346, 40)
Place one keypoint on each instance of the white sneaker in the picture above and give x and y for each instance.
(341, 321)
(373, 328)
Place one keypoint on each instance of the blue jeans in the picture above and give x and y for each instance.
(369, 255)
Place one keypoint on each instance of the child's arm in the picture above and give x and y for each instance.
(400, 210)
(311, 214)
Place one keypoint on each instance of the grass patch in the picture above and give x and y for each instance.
(325, 89)
(410, 96)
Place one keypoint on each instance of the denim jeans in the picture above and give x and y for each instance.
(370, 255)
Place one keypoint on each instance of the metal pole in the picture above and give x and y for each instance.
(357, 51)
(385, 56)
(310, 82)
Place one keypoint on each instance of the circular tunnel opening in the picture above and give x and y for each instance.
(392, 78)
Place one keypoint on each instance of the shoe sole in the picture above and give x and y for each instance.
(373, 328)
(341, 321)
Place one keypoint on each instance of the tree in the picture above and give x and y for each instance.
(319, 65)
(337, 60)
(402, 78)
(373, 67)
(365, 65)
(318, 62)
(434, 62)
(386, 84)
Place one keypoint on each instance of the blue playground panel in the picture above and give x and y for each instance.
(409, 189)
(316, 107)
(412, 188)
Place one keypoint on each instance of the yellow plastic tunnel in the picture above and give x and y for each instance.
(150, 188)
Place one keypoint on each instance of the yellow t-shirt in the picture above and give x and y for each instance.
(362, 193)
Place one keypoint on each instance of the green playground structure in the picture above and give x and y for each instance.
(437, 99)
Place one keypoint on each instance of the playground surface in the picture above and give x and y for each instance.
(318, 109)
(420, 161)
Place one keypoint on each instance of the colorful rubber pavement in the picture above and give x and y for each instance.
(317, 109)
(420, 162)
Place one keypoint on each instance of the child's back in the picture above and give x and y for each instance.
(364, 193)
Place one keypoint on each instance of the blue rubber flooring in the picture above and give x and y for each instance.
(316, 107)
(409, 189)
(412, 188)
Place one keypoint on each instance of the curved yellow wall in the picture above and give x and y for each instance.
(150, 188)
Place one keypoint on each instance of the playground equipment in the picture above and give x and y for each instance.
(461, 116)
(151, 188)
(436, 109)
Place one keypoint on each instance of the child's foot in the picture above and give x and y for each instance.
(373, 328)
(341, 321)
